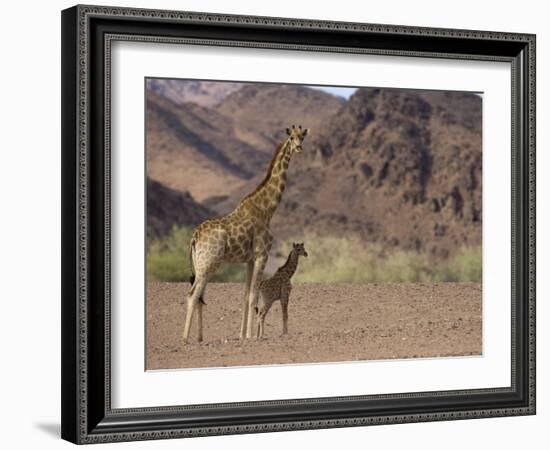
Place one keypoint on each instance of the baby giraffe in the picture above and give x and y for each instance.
(278, 287)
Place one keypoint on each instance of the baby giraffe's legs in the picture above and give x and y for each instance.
(262, 312)
(285, 294)
(284, 308)
(260, 327)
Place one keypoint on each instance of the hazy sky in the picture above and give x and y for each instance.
(345, 92)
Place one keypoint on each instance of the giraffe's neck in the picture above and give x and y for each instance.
(269, 192)
(290, 265)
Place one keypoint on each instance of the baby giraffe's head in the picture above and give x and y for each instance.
(299, 249)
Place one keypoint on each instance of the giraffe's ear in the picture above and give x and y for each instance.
(288, 131)
(305, 132)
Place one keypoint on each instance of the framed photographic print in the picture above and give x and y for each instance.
(278, 224)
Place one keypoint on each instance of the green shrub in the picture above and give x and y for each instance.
(332, 259)
(168, 259)
(338, 259)
(466, 265)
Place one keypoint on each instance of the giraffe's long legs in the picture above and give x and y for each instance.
(192, 303)
(249, 270)
(257, 272)
(199, 321)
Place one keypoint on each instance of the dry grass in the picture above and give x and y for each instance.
(332, 259)
(337, 259)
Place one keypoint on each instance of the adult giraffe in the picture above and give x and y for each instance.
(241, 236)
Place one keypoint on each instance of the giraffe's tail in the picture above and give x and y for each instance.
(191, 258)
(192, 266)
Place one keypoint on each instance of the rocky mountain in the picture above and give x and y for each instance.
(401, 168)
(262, 112)
(194, 148)
(203, 93)
(397, 167)
(167, 207)
(211, 151)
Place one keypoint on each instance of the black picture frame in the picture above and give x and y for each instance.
(87, 32)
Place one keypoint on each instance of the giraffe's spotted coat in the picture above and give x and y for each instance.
(241, 236)
(278, 287)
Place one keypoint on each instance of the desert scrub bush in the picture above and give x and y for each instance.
(168, 259)
(335, 259)
(465, 265)
(332, 259)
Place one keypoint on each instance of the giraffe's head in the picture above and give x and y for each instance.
(299, 249)
(296, 136)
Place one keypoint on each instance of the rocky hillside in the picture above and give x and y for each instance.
(398, 167)
(262, 112)
(401, 168)
(194, 148)
(211, 151)
(203, 93)
(167, 207)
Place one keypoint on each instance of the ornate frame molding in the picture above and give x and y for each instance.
(79, 418)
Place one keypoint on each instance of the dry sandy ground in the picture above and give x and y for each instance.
(327, 322)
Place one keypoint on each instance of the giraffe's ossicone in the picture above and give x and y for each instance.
(241, 236)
